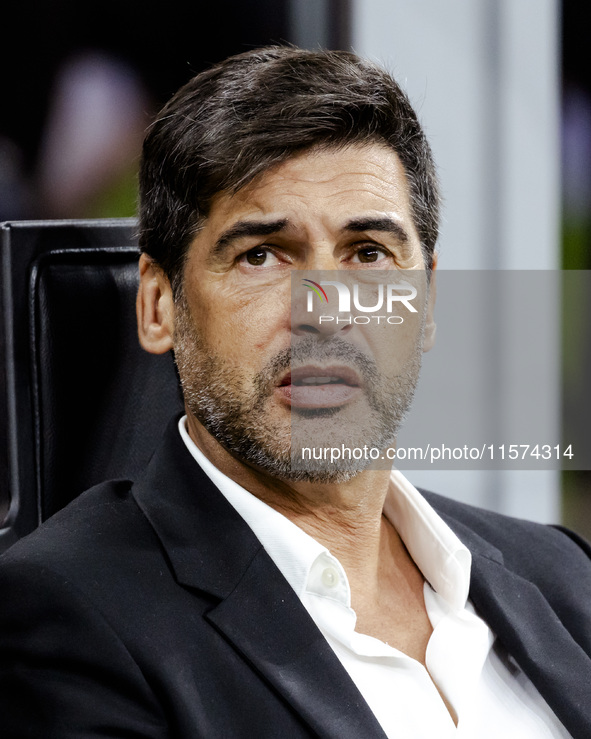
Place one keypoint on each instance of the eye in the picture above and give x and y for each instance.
(259, 256)
(369, 254)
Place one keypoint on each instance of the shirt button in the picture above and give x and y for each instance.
(330, 577)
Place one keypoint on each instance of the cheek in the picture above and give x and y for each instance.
(391, 345)
(244, 327)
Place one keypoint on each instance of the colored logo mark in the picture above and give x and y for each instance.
(316, 288)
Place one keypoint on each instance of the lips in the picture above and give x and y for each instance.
(315, 386)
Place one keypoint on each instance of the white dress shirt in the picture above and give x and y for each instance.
(489, 693)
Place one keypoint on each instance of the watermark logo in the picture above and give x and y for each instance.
(399, 293)
(314, 287)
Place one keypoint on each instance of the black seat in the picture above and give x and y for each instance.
(80, 401)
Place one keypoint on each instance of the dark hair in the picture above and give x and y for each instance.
(256, 110)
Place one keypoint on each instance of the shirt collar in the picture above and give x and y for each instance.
(442, 558)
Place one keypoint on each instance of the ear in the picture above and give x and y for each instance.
(430, 325)
(154, 308)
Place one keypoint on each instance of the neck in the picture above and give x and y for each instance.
(345, 517)
(386, 585)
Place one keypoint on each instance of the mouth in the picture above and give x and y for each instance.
(314, 386)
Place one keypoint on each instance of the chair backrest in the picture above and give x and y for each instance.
(80, 401)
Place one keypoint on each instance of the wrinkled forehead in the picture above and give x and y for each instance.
(326, 183)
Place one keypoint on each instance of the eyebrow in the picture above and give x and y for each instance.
(247, 228)
(243, 229)
(380, 223)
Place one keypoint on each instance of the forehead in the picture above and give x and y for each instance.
(323, 183)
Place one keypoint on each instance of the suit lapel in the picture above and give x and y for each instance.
(267, 623)
(531, 632)
(212, 549)
(521, 617)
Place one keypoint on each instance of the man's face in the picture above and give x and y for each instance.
(258, 372)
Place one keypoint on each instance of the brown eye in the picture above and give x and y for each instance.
(256, 257)
(368, 255)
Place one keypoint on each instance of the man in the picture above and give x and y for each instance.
(235, 591)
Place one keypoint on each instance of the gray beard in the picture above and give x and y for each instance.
(237, 418)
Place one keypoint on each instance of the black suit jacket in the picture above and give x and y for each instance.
(152, 610)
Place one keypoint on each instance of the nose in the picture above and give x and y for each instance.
(312, 313)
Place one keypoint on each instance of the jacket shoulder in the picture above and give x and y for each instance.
(63, 665)
(522, 543)
(86, 534)
(554, 559)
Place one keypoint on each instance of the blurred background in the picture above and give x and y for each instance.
(503, 88)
